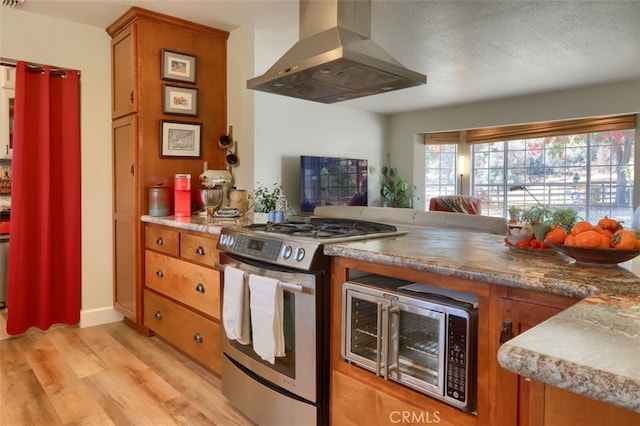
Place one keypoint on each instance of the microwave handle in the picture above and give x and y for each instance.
(394, 311)
(379, 338)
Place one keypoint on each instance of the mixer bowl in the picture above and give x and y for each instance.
(207, 198)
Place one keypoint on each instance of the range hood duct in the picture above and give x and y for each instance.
(335, 59)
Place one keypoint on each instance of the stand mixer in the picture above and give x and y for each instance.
(218, 178)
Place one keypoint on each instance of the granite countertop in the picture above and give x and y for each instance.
(590, 348)
(199, 223)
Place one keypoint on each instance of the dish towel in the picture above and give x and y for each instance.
(235, 305)
(266, 317)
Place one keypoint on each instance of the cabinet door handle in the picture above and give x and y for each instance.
(131, 96)
(132, 170)
(200, 288)
(158, 315)
(198, 338)
(7, 147)
(160, 273)
(200, 251)
(160, 241)
(507, 333)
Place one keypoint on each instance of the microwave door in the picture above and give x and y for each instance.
(365, 330)
(417, 347)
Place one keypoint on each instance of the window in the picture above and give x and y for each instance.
(589, 172)
(440, 170)
(585, 164)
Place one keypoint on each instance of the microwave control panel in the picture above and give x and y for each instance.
(457, 358)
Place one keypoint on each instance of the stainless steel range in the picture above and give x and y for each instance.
(295, 388)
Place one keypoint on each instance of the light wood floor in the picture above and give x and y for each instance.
(108, 374)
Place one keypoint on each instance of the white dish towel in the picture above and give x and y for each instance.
(235, 305)
(266, 317)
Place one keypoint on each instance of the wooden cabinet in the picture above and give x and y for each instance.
(566, 408)
(182, 292)
(137, 40)
(520, 398)
(503, 398)
(123, 70)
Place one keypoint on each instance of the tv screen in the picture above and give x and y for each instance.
(327, 181)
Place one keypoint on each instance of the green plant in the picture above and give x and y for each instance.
(536, 214)
(265, 198)
(514, 212)
(565, 218)
(395, 189)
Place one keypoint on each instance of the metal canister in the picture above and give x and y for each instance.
(159, 200)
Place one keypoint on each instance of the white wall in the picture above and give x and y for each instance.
(407, 151)
(39, 39)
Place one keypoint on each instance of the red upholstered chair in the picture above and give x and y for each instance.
(456, 203)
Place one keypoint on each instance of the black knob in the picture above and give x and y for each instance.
(198, 338)
(158, 315)
(200, 288)
(160, 273)
(160, 241)
(506, 334)
(200, 251)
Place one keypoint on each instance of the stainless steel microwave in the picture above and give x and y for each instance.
(422, 336)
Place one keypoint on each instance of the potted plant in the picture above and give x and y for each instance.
(514, 213)
(565, 218)
(265, 199)
(395, 189)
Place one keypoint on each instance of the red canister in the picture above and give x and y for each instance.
(182, 195)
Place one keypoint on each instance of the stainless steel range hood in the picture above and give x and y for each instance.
(335, 59)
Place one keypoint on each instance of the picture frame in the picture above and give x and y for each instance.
(180, 139)
(179, 100)
(178, 66)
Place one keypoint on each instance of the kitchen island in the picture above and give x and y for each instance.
(590, 348)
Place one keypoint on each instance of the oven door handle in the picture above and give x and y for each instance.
(393, 346)
(379, 338)
(295, 288)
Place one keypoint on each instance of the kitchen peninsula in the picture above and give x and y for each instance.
(583, 322)
(589, 348)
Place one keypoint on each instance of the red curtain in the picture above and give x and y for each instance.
(44, 261)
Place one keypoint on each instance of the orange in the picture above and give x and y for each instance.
(589, 239)
(603, 231)
(570, 240)
(556, 236)
(580, 227)
(625, 239)
(609, 224)
(606, 242)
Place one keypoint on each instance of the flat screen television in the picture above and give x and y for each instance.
(328, 181)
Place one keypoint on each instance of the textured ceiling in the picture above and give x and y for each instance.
(469, 50)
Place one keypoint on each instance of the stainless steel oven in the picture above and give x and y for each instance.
(295, 389)
(418, 335)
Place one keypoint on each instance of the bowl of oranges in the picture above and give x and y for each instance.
(605, 243)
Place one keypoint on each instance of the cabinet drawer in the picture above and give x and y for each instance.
(162, 239)
(194, 335)
(199, 249)
(193, 285)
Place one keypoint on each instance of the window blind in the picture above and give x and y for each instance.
(551, 128)
(442, 138)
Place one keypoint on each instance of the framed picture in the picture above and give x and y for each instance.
(180, 139)
(179, 100)
(178, 66)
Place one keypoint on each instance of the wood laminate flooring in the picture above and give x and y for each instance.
(105, 375)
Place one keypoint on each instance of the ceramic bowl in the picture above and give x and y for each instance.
(599, 256)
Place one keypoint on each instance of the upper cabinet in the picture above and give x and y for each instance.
(7, 86)
(123, 70)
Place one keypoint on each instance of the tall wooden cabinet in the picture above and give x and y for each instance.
(138, 38)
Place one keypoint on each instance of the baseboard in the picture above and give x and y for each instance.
(91, 317)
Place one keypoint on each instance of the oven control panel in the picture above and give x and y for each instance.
(273, 250)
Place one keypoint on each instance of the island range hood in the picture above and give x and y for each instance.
(335, 59)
